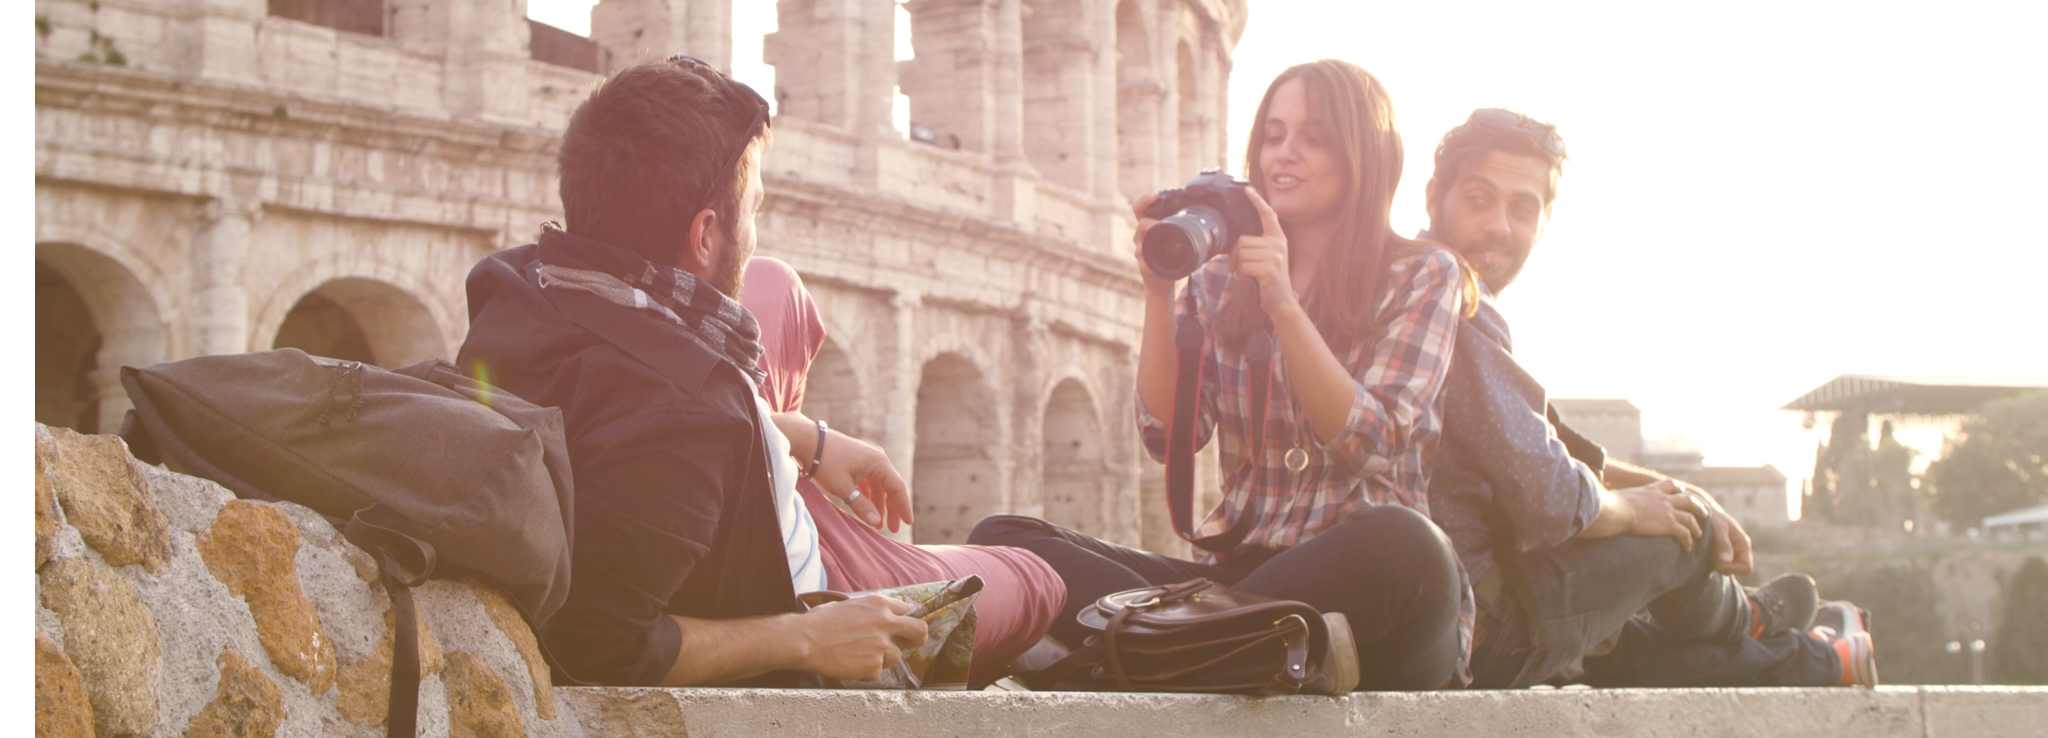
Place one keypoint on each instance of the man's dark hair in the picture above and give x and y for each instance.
(1473, 140)
(637, 157)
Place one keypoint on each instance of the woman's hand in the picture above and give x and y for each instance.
(1263, 258)
(1153, 283)
(850, 466)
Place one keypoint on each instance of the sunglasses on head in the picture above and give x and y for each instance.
(760, 121)
(1508, 120)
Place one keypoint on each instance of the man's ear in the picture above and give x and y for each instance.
(1432, 200)
(697, 253)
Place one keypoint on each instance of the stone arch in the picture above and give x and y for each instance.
(957, 480)
(1137, 104)
(102, 317)
(1058, 66)
(379, 296)
(832, 392)
(1075, 465)
(363, 320)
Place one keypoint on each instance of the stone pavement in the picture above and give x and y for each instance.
(1933, 712)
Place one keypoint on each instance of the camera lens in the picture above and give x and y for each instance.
(1178, 245)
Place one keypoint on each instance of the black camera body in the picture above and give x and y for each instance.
(1198, 221)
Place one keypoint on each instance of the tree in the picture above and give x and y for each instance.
(2019, 652)
(1997, 462)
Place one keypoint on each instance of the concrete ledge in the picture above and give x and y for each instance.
(1929, 712)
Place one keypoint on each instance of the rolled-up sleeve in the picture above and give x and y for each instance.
(1399, 384)
(648, 500)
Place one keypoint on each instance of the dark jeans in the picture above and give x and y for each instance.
(1672, 609)
(1389, 570)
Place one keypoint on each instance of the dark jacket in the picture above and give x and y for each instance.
(674, 513)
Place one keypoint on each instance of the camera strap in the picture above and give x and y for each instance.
(1180, 439)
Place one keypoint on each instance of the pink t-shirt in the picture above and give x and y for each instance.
(1020, 595)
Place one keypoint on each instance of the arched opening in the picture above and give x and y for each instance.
(1137, 104)
(67, 350)
(954, 473)
(832, 392)
(1072, 482)
(93, 316)
(1057, 62)
(1192, 156)
(362, 320)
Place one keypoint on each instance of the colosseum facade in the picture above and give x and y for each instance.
(234, 175)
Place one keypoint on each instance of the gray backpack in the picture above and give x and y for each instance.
(428, 470)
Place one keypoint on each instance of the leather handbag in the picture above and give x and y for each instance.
(1195, 636)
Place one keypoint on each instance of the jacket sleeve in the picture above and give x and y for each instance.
(649, 492)
(1495, 414)
(1404, 372)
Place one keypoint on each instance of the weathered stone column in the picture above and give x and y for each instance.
(950, 81)
(218, 316)
(1026, 378)
(835, 64)
(486, 51)
(635, 31)
(898, 386)
(221, 39)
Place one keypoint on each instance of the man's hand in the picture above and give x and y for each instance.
(858, 638)
(849, 465)
(1732, 553)
(1662, 509)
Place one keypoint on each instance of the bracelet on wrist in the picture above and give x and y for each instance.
(817, 453)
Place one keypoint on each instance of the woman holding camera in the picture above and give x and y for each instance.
(1327, 505)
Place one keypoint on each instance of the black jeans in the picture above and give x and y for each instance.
(1672, 609)
(1388, 569)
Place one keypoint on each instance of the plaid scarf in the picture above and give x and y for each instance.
(624, 278)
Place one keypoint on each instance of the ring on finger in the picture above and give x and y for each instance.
(854, 497)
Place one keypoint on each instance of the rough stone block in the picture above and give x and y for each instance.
(479, 703)
(62, 710)
(248, 705)
(46, 516)
(106, 498)
(363, 696)
(252, 548)
(514, 626)
(111, 636)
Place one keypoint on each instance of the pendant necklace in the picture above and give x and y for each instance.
(1297, 457)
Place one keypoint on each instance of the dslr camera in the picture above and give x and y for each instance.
(1198, 221)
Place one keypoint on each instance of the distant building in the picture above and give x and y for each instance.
(1755, 495)
(1615, 424)
(2030, 523)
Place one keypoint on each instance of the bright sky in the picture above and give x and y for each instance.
(1761, 196)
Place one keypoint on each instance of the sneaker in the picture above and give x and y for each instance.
(1787, 603)
(1842, 617)
(1339, 674)
(1856, 652)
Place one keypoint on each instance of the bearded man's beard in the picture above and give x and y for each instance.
(731, 273)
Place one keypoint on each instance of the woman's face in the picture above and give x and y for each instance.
(1301, 177)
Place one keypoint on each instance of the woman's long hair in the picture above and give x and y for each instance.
(1359, 121)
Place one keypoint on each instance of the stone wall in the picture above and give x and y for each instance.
(165, 606)
(211, 178)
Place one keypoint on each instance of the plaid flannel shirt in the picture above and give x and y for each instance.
(1385, 451)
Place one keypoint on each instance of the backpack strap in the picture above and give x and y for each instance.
(1180, 439)
(403, 562)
